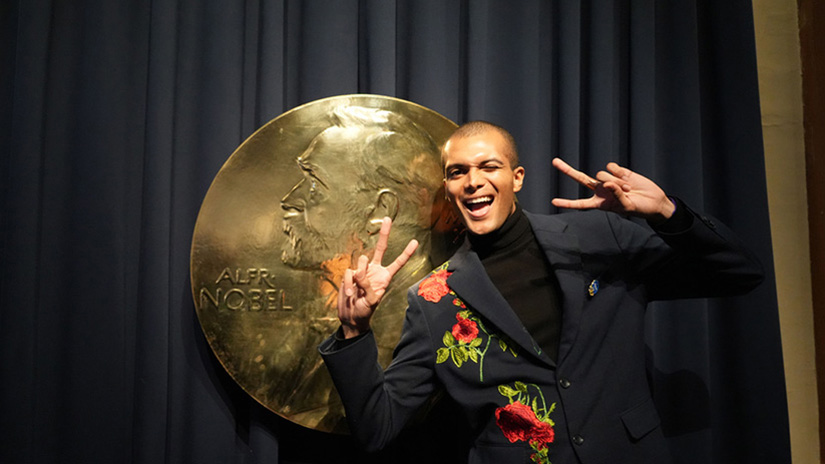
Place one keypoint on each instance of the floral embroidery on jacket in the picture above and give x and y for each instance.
(466, 330)
(435, 286)
(463, 342)
(520, 422)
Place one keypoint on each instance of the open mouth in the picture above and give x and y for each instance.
(478, 206)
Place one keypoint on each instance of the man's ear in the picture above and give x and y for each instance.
(386, 205)
(518, 178)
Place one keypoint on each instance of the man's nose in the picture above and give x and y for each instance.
(475, 178)
(294, 199)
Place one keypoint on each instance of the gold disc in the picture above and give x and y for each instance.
(291, 209)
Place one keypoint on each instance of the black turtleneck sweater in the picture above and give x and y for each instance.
(522, 274)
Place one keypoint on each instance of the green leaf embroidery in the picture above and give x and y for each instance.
(473, 354)
(443, 354)
(459, 356)
(505, 390)
(448, 339)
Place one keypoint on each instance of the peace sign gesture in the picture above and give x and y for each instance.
(619, 190)
(363, 288)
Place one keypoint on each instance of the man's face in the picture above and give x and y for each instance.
(321, 209)
(479, 181)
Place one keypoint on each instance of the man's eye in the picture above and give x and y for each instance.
(453, 173)
(490, 167)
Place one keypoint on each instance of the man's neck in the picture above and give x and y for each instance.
(513, 232)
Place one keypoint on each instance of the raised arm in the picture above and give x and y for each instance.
(363, 287)
(619, 190)
(704, 258)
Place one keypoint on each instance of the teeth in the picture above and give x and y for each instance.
(473, 201)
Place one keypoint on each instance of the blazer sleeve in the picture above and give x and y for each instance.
(705, 259)
(379, 403)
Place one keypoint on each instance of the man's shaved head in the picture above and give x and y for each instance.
(474, 128)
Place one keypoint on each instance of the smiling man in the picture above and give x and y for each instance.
(535, 327)
(482, 176)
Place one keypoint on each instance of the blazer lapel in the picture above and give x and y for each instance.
(471, 283)
(562, 250)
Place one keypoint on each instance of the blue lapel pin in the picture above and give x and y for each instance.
(593, 288)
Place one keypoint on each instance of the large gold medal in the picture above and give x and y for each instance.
(288, 213)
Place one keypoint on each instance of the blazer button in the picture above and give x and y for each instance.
(578, 439)
(708, 222)
(564, 383)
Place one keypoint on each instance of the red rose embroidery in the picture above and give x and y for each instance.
(515, 420)
(519, 423)
(435, 286)
(542, 434)
(466, 330)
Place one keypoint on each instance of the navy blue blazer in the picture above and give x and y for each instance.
(594, 405)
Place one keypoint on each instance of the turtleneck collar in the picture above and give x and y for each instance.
(514, 232)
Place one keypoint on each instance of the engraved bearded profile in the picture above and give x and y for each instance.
(368, 164)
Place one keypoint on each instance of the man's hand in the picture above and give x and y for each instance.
(363, 288)
(619, 190)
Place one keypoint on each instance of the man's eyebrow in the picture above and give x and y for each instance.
(491, 160)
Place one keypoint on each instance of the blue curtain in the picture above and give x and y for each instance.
(116, 115)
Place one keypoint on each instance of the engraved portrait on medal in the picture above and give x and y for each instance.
(292, 208)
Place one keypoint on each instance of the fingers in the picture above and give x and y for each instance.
(617, 189)
(618, 184)
(585, 203)
(619, 171)
(363, 282)
(618, 174)
(342, 295)
(614, 173)
(381, 248)
(574, 174)
(349, 290)
(620, 193)
(402, 259)
(361, 269)
(383, 239)
(581, 178)
(607, 191)
(345, 293)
